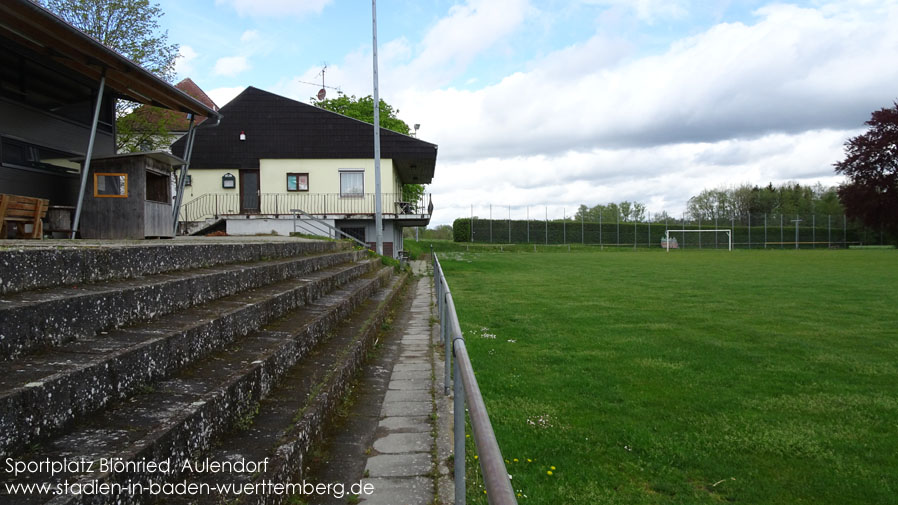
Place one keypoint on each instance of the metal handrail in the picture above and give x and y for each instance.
(217, 204)
(492, 465)
(300, 212)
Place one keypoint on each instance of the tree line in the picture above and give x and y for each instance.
(726, 203)
(788, 199)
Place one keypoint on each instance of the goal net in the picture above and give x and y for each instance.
(671, 243)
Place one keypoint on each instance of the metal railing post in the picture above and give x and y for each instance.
(447, 347)
(467, 392)
(459, 437)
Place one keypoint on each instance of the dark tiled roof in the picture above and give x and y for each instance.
(278, 127)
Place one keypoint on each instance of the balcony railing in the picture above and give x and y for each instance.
(278, 204)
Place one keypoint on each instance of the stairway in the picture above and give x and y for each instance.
(160, 358)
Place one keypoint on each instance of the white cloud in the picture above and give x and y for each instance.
(792, 71)
(275, 7)
(222, 96)
(454, 41)
(768, 101)
(231, 65)
(663, 177)
(184, 63)
(647, 10)
(249, 36)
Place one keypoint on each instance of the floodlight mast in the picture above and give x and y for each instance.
(378, 215)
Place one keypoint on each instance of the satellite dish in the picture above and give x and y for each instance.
(321, 94)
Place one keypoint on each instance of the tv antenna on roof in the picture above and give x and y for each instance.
(322, 93)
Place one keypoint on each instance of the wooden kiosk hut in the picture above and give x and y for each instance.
(129, 196)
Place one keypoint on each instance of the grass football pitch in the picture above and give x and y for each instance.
(690, 377)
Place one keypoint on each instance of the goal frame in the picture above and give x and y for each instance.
(728, 231)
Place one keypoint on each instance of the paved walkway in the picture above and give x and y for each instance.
(401, 465)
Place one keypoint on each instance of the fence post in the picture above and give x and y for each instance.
(700, 231)
(782, 237)
(528, 224)
(472, 223)
(582, 232)
(601, 244)
(684, 234)
(845, 231)
(765, 231)
(491, 223)
(813, 231)
(509, 224)
(563, 226)
(716, 227)
(547, 225)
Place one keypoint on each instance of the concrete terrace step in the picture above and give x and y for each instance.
(35, 320)
(32, 265)
(180, 418)
(291, 420)
(41, 394)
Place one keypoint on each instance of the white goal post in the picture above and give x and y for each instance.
(667, 233)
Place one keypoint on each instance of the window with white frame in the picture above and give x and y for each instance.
(352, 183)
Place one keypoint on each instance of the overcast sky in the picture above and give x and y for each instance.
(562, 103)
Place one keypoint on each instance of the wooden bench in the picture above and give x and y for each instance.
(20, 211)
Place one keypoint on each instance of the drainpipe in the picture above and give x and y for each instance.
(90, 152)
(188, 153)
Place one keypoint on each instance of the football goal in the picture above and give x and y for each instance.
(667, 241)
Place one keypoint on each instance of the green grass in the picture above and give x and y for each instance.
(757, 377)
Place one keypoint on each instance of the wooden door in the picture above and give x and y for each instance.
(250, 194)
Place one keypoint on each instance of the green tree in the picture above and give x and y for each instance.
(363, 110)
(131, 28)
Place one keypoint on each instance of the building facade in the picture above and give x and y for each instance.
(277, 165)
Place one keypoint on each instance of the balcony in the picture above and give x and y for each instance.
(322, 205)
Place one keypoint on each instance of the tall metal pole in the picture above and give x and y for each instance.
(90, 153)
(182, 180)
(378, 216)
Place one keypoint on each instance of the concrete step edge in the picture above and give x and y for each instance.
(29, 321)
(191, 429)
(41, 407)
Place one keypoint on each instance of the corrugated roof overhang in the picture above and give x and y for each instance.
(41, 31)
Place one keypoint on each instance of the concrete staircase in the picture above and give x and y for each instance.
(159, 358)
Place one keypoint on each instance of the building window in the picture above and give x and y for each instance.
(109, 185)
(158, 187)
(22, 154)
(297, 182)
(188, 181)
(352, 183)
